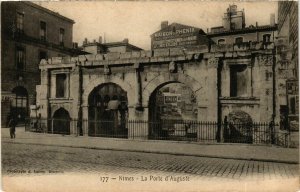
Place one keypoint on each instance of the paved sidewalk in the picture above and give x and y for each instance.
(231, 151)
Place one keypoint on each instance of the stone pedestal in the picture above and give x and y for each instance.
(138, 125)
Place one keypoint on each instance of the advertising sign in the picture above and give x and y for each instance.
(170, 99)
(176, 35)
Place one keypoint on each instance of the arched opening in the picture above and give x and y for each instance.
(239, 129)
(172, 112)
(61, 122)
(19, 104)
(108, 111)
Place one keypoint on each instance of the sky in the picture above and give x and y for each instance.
(137, 20)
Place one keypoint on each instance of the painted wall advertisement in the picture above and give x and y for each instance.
(175, 36)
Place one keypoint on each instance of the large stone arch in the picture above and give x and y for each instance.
(96, 81)
(166, 78)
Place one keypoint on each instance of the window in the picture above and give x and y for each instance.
(232, 26)
(238, 80)
(19, 104)
(43, 28)
(174, 29)
(61, 85)
(238, 40)
(42, 55)
(266, 38)
(20, 100)
(292, 105)
(20, 22)
(20, 58)
(61, 36)
(221, 41)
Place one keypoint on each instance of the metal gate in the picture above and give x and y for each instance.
(238, 133)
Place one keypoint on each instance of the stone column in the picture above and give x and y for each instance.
(72, 92)
(213, 93)
(44, 99)
(85, 125)
(266, 94)
(138, 86)
(250, 83)
(226, 81)
(137, 127)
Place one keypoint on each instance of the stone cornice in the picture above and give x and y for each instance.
(153, 56)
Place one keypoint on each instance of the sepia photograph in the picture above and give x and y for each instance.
(132, 96)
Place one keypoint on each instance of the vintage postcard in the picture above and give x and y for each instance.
(149, 96)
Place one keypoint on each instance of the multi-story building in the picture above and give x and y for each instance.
(235, 31)
(29, 33)
(287, 65)
(111, 47)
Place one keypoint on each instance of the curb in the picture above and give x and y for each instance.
(160, 152)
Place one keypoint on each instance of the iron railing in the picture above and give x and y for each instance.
(181, 130)
(175, 130)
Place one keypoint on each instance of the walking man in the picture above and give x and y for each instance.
(12, 127)
(272, 129)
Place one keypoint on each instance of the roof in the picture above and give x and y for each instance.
(48, 11)
(244, 30)
(116, 44)
(112, 44)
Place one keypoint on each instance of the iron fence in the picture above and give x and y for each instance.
(181, 130)
(175, 130)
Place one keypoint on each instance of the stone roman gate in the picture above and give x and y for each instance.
(223, 79)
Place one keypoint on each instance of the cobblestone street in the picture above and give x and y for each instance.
(18, 157)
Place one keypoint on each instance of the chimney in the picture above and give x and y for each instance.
(163, 24)
(85, 41)
(272, 19)
(75, 45)
(100, 39)
(126, 40)
(94, 41)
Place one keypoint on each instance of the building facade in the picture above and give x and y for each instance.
(287, 65)
(29, 33)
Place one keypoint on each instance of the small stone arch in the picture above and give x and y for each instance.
(61, 122)
(240, 127)
(96, 81)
